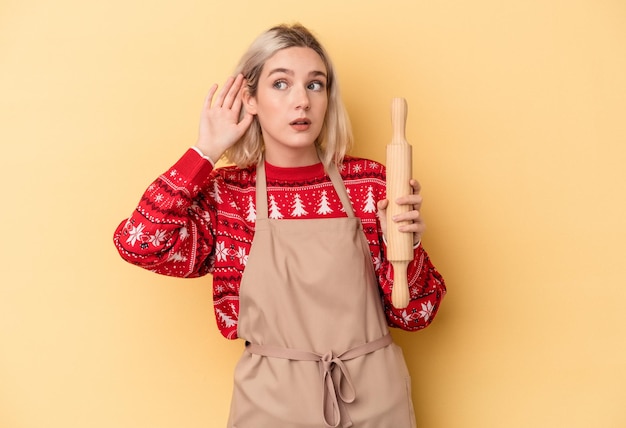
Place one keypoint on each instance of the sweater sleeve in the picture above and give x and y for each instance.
(426, 290)
(170, 230)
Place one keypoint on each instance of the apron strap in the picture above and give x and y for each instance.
(340, 188)
(261, 190)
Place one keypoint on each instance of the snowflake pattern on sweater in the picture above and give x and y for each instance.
(196, 220)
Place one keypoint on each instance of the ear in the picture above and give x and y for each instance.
(249, 102)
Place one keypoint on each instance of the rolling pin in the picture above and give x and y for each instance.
(399, 166)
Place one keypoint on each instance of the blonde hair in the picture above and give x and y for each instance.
(335, 137)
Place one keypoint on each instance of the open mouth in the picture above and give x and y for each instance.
(303, 121)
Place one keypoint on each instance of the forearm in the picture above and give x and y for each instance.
(170, 232)
(426, 290)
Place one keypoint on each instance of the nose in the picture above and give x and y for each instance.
(302, 100)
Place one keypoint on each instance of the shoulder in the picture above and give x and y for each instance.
(235, 176)
(364, 178)
(355, 168)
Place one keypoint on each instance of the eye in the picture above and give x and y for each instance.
(280, 84)
(316, 86)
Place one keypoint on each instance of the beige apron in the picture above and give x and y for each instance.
(318, 351)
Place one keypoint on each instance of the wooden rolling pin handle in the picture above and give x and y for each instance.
(399, 163)
(400, 291)
(398, 121)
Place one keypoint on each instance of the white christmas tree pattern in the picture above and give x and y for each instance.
(370, 203)
(274, 209)
(298, 207)
(324, 207)
(251, 211)
(215, 194)
(225, 318)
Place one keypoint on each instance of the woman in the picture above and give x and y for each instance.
(293, 235)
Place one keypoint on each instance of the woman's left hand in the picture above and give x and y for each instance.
(415, 223)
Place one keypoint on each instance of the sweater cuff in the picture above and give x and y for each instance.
(191, 171)
(197, 150)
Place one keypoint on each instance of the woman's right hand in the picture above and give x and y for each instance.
(220, 126)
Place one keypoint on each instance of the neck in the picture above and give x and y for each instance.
(292, 157)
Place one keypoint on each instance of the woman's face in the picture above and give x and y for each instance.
(290, 105)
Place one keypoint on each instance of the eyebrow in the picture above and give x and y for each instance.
(314, 73)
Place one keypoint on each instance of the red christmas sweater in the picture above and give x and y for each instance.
(196, 220)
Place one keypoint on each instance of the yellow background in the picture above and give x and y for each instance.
(517, 117)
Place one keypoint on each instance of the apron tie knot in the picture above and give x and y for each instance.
(332, 405)
(335, 393)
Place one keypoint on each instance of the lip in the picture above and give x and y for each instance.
(300, 124)
(301, 121)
